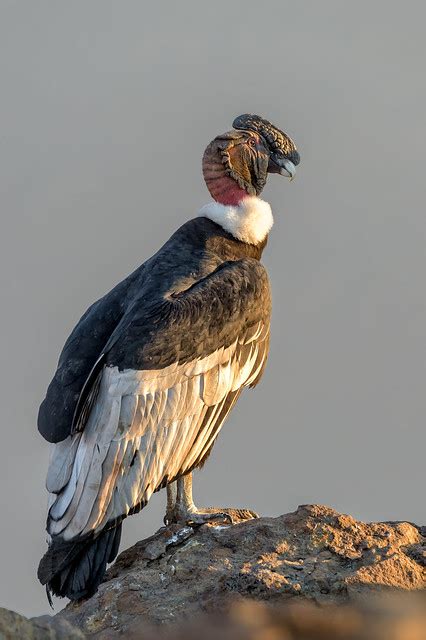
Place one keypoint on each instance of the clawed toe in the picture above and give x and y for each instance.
(195, 516)
(246, 514)
(182, 510)
(169, 519)
(201, 517)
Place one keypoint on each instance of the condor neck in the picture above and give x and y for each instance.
(250, 221)
(222, 187)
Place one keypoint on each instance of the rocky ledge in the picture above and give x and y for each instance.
(291, 565)
(313, 554)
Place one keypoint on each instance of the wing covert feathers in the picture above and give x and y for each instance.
(146, 428)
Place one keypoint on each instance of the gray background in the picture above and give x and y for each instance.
(105, 110)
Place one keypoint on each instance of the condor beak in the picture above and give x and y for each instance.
(287, 169)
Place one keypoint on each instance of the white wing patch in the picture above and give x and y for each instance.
(145, 428)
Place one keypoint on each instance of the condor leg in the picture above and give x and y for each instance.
(171, 503)
(181, 507)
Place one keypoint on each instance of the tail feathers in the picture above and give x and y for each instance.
(74, 569)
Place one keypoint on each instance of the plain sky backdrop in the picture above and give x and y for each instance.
(105, 110)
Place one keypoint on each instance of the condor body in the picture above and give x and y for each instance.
(152, 369)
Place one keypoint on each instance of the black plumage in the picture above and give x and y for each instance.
(201, 290)
(152, 369)
(111, 324)
(74, 569)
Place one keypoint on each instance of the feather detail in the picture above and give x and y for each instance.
(146, 426)
(250, 221)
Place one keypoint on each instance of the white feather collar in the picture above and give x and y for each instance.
(250, 221)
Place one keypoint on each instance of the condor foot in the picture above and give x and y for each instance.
(199, 516)
(182, 510)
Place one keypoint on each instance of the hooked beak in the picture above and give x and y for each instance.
(281, 165)
(287, 169)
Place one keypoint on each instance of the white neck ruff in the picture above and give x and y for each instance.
(250, 221)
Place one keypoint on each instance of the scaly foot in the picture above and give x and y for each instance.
(181, 508)
(191, 515)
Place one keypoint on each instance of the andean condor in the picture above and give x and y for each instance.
(152, 369)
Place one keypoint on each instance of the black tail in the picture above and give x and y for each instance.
(74, 569)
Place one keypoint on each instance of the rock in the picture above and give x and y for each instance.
(16, 627)
(397, 619)
(313, 554)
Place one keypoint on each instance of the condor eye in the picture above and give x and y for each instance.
(252, 142)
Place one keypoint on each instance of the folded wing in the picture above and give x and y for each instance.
(172, 375)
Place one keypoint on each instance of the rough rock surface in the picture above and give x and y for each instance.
(13, 626)
(313, 554)
(204, 582)
(395, 619)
